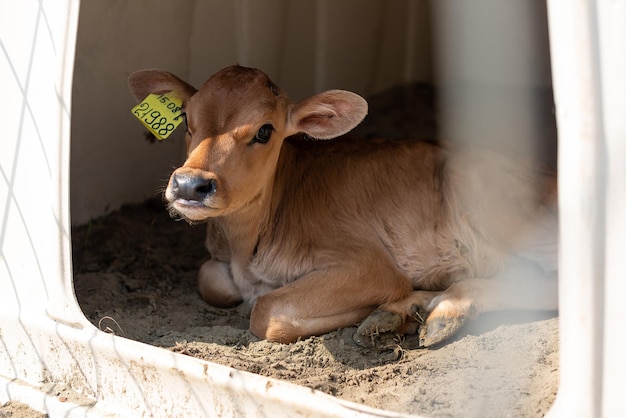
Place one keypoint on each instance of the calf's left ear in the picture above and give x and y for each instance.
(327, 115)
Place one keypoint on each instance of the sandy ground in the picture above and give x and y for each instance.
(19, 410)
(135, 276)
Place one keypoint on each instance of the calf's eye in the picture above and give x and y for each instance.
(264, 134)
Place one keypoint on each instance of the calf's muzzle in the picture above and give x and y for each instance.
(192, 187)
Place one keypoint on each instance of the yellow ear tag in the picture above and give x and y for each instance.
(160, 113)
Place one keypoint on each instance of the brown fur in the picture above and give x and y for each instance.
(319, 234)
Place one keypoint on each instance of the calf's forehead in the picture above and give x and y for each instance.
(235, 95)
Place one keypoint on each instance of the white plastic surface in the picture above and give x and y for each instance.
(588, 67)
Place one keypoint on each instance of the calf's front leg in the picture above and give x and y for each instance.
(325, 300)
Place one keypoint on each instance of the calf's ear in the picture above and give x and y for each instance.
(143, 82)
(327, 115)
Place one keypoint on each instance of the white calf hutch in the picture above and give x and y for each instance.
(64, 111)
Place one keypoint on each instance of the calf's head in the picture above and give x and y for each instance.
(236, 124)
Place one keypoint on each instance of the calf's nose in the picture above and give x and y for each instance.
(190, 187)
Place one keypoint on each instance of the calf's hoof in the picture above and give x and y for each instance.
(433, 328)
(378, 322)
(437, 330)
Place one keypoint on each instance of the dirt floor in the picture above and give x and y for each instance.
(19, 410)
(135, 276)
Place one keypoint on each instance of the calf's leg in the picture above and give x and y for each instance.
(439, 315)
(216, 284)
(326, 300)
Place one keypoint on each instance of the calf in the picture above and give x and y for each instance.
(401, 236)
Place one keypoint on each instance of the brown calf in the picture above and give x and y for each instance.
(320, 235)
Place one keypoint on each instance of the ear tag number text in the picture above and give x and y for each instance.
(160, 113)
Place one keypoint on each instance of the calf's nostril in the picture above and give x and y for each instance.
(207, 189)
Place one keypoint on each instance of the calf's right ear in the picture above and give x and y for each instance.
(144, 82)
